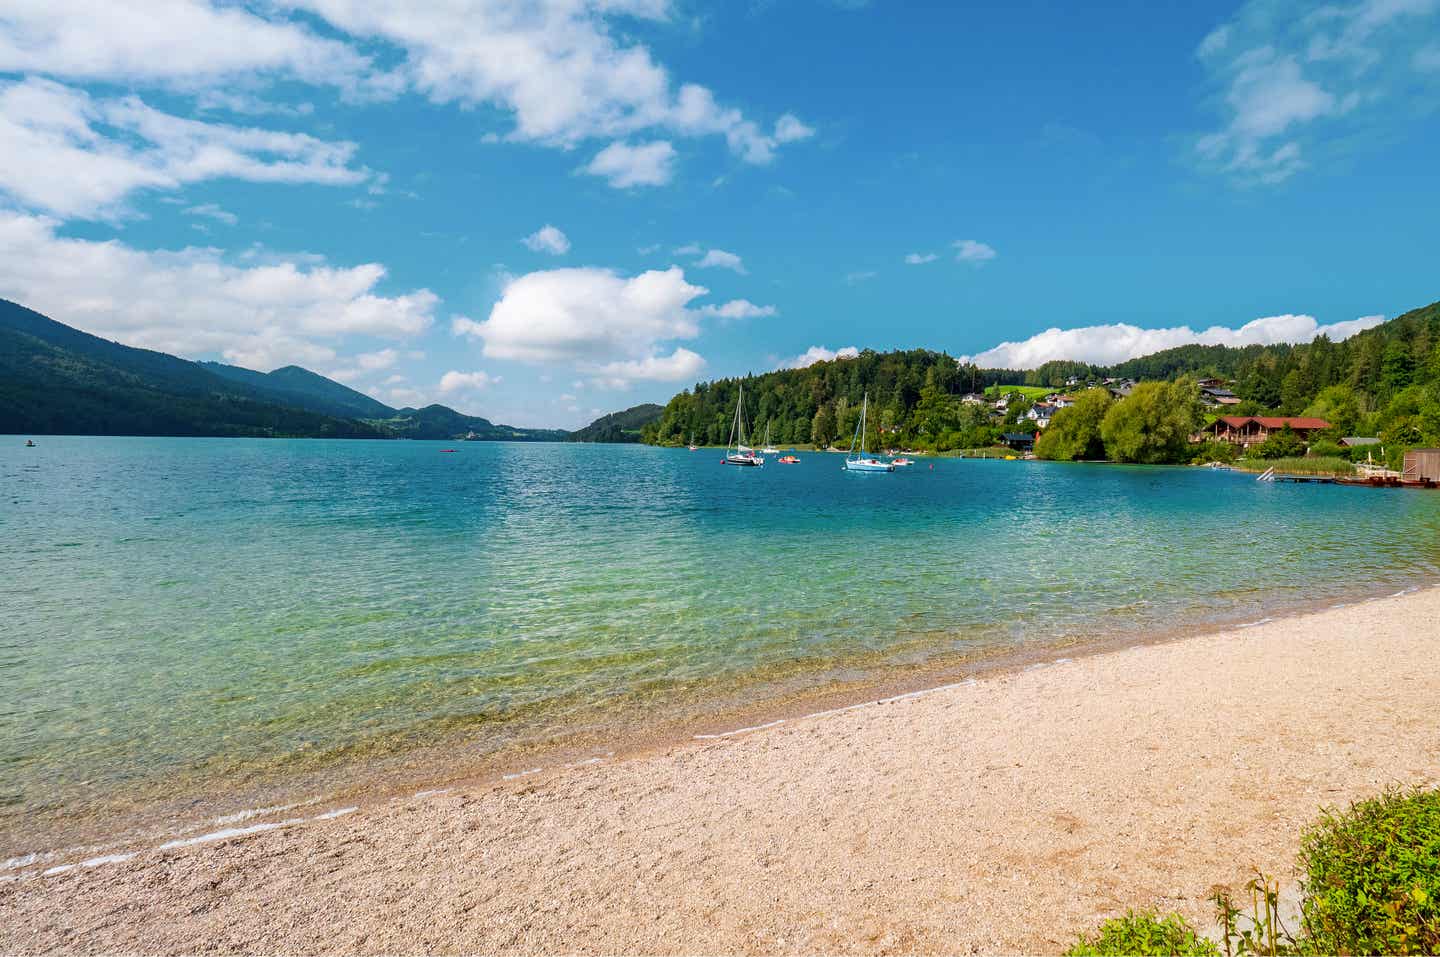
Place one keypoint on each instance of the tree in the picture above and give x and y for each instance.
(1338, 405)
(822, 427)
(1153, 424)
(1074, 432)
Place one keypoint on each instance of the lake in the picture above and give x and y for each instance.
(178, 615)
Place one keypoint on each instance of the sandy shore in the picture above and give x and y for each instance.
(999, 815)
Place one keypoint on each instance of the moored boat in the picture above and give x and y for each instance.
(857, 460)
(789, 460)
(743, 455)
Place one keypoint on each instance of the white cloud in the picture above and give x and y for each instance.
(649, 164)
(265, 313)
(1110, 344)
(816, 354)
(720, 259)
(738, 309)
(973, 252)
(58, 158)
(548, 239)
(920, 259)
(212, 211)
(863, 275)
(1288, 79)
(680, 365)
(561, 69)
(789, 129)
(184, 43)
(586, 315)
(1428, 59)
(455, 381)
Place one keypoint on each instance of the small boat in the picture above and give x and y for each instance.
(789, 460)
(447, 450)
(743, 454)
(768, 449)
(29, 443)
(857, 460)
(901, 462)
(693, 446)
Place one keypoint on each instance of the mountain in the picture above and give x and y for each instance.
(303, 389)
(621, 426)
(440, 422)
(59, 380)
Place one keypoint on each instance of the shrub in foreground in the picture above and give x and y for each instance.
(1372, 877)
(1144, 933)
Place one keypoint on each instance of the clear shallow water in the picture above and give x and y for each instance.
(193, 609)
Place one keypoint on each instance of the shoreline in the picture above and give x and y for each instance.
(1278, 718)
(450, 762)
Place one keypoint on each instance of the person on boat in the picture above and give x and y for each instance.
(29, 443)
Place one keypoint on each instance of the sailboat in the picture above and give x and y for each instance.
(693, 446)
(768, 449)
(743, 454)
(857, 461)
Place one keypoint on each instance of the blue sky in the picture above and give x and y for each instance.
(538, 212)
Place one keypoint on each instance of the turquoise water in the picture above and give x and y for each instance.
(185, 609)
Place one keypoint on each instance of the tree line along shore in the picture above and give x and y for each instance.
(1383, 383)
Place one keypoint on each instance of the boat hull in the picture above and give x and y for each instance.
(871, 465)
(743, 461)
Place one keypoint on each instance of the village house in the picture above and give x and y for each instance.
(1040, 414)
(1063, 401)
(1214, 395)
(1248, 430)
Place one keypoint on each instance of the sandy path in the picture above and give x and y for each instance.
(1002, 815)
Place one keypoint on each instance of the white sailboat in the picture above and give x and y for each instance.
(742, 455)
(857, 461)
(693, 446)
(768, 449)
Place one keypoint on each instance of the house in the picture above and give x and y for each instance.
(1213, 395)
(1040, 414)
(1120, 388)
(1063, 401)
(1210, 383)
(1358, 441)
(973, 398)
(1248, 430)
(1019, 441)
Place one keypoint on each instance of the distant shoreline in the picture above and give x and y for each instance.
(1002, 814)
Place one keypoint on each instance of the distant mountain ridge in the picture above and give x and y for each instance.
(304, 389)
(622, 426)
(58, 380)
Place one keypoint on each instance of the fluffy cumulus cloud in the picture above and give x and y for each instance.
(920, 259)
(455, 381)
(548, 239)
(252, 310)
(626, 166)
(603, 324)
(739, 309)
(1288, 78)
(560, 69)
(75, 155)
(720, 259)
(816, 354)
(973, 251)
(1107, 345)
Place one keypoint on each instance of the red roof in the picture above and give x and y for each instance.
(1274, 421)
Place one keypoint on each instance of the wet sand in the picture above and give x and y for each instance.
(999, 815)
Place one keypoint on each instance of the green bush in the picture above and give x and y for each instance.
(1372, 883)
(1144, 933)
(1214, 451)
(1325, 448)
